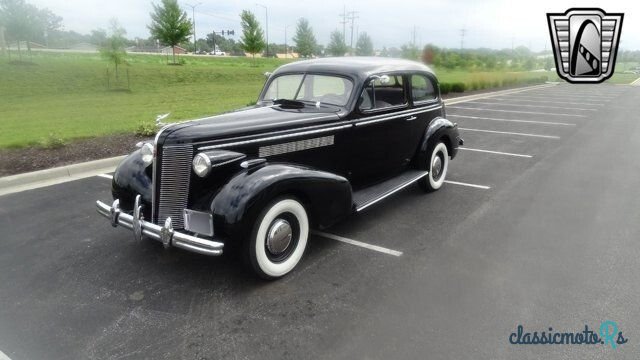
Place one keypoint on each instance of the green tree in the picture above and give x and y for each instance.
(252, 40)
(25, 22)
(306, 43)
(364, 45)
(337, 46)
(113, 50)
(410, 51)
(170, 24)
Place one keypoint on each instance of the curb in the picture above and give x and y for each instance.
(41, 178)
(37, 179)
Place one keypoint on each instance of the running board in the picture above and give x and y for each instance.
(366, 197)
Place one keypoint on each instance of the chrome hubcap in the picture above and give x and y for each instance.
(436, 167)
(279, 236)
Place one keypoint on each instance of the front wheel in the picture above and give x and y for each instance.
(279, 238)
(438, 165)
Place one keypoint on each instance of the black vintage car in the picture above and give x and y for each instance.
(326, 139)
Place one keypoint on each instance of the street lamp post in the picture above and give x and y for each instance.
(266, 15)
(286, 48)
(193, 17)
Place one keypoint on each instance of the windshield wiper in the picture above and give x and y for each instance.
(289, 104)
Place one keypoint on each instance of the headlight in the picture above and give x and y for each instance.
(147, 153)
(201, 164)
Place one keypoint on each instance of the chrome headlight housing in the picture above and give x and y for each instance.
(146, 151)
(201, 165)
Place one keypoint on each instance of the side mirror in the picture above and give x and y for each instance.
(267, 74)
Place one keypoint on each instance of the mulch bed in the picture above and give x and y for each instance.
(16, 161)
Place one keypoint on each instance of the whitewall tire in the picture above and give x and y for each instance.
(438, 165)
(279, 238)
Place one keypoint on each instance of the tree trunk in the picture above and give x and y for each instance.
(19, 53)
(116, 71)
(173, 49)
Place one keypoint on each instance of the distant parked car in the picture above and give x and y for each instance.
(327, 138)
(218, 53)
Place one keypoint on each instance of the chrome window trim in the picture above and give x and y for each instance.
(377, 119)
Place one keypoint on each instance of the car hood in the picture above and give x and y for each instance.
(246, 122)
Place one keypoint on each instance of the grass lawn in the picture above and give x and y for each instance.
(64, 96)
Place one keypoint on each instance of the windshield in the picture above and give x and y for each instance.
(325, 89)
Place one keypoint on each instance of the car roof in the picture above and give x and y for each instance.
(359, 66)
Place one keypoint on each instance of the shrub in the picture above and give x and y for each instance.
(445, 88)
(53, 141)
(458, 87)
(146, 128)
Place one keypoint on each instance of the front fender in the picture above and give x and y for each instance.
(132, 177)
(326, 196)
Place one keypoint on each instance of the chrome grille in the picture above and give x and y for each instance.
(175, 176)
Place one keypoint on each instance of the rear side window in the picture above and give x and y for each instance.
(422, 88)
(378, 96)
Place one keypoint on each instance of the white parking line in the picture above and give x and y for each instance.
(515, 111)
(512, 133)
(635, 82)
(483, 187)
(569, 97)
(512, 120)
(545, 101)
(535, 106)
(361, 244)
(106, 176)
(495, 152)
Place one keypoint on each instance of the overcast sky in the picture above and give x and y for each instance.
(488, 23)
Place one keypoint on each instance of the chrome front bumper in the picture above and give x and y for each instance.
(164, 234)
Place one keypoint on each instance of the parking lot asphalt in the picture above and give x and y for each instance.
(539, 226)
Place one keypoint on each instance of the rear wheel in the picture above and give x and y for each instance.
(438, 158)
(279, 238)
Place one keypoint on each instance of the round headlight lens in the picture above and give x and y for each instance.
(201, 165)
(147, 153)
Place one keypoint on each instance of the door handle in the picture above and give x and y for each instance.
(411, 118)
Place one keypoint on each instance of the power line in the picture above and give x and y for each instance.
(462, 33)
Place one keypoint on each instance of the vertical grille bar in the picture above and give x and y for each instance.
(175, 177)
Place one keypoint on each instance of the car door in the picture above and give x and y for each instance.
(426, 105)
(378, 141)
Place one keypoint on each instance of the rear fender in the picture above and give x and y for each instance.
(437, 129)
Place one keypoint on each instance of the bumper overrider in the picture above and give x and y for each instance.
(164, 234)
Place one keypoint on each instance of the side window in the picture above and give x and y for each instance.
(422, 88)
(377, 95)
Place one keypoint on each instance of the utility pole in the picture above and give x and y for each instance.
(462, 33)
(344, 21)
(286, 48)
(266, 15)
(352, 15)
(193, 17)
(413, 41)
